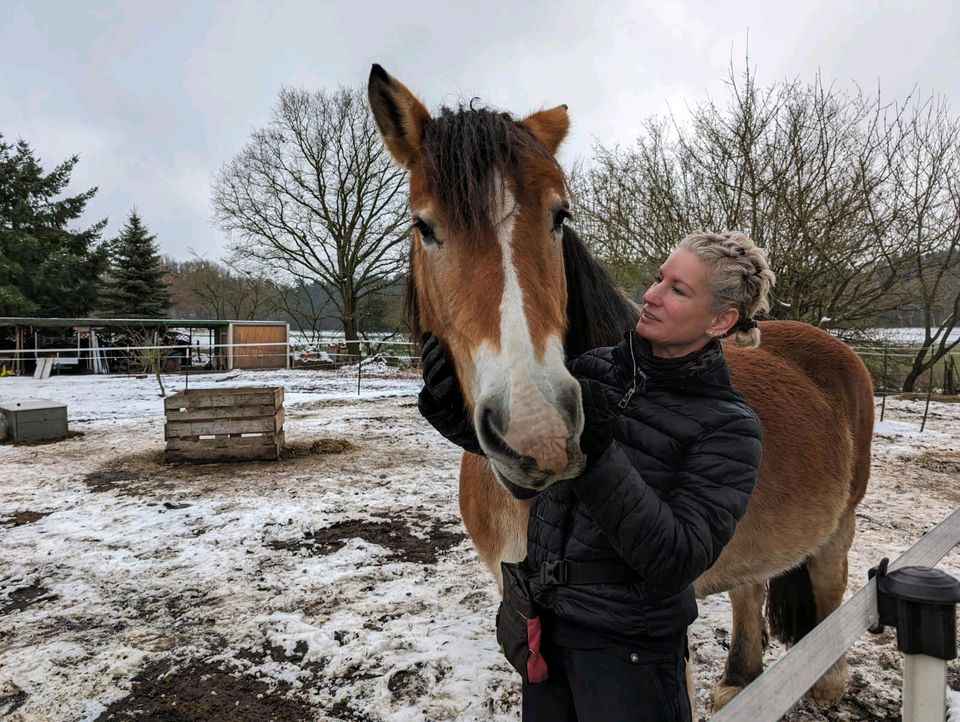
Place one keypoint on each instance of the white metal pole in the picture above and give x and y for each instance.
(924, 688)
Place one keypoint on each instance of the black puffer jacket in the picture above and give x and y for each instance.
(663, 499)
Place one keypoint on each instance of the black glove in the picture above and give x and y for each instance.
(598, 420)
(441, 400)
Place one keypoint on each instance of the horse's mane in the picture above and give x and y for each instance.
(598, 312)
(465, 151)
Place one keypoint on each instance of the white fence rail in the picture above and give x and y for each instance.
(778, 689)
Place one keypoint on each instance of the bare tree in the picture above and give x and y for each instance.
(925, 174)
(221, 291)
(314, 196)
(799, 167)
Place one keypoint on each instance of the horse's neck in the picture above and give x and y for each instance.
(598, 312)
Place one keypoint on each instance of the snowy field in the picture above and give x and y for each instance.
(336, 584)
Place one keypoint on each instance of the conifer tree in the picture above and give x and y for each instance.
(46, 268)
(135, 286)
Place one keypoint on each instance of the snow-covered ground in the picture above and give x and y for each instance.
(326, 586)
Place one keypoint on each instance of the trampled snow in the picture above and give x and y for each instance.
(112, 562)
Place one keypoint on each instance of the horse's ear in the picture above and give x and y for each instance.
(400, 117)
(550, 126)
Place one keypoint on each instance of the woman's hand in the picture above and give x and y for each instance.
(598, 420)
(441, 401)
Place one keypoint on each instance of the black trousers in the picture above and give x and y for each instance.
(622, 683)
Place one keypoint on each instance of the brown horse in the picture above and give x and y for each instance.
(512, 293)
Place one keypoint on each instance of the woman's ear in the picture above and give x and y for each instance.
(723, 322)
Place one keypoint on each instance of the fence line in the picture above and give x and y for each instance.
(778, 689)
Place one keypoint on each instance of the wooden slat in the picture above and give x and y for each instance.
(774, 693)
(215, 398)
(226, 449)
(225, 442)
(221, 412)
(263, 424)
(205, 455)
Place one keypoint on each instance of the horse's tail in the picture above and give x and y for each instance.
(791, 608)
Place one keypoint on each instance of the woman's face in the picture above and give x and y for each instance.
(677, 309)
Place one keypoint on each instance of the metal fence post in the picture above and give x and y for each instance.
(926, 409)
(883, 389)
(921, 603)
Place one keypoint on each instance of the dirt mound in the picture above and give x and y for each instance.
(392, 534)
(940, 461)
(201, 692)
(323, 445)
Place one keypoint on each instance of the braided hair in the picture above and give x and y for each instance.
(740, 278)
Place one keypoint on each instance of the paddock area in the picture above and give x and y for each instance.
(333, 584)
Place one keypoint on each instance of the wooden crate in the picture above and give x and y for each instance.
(211, 425)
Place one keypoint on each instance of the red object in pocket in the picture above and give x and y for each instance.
(536, 664)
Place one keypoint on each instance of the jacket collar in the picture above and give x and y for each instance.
(703, 368)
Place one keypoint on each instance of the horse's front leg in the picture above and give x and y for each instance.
(495, 520)
(748, 638)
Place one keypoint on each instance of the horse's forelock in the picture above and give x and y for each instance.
(466, 152)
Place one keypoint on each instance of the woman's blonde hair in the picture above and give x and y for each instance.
(739, 276)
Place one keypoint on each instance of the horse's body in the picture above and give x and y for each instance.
(530, 287)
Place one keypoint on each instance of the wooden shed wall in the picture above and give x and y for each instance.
(259, 357)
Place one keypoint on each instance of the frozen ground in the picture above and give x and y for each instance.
(327, 586)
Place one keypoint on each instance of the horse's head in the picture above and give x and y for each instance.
(487, 271)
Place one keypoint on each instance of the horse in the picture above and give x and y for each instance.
(498, 275)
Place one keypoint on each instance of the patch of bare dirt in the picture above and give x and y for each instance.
(938, 460)
(392, 534)
(202, 692)
(24, 598)
(20, 518)
(108, 480)
(11, 701)
(935, 471)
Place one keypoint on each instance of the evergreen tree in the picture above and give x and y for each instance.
(46, 269)
(135, 286)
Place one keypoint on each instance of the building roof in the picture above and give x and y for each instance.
(127, 322)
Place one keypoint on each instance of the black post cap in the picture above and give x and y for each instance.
(921, 603)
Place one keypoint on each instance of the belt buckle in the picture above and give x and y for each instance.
(553, 572)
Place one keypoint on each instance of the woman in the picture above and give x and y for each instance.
(672, 456)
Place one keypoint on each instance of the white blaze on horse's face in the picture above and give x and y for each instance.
(527, 410)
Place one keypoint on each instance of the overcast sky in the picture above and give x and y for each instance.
(156, 96)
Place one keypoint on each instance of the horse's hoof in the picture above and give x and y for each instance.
(722, 694)
(828, 692)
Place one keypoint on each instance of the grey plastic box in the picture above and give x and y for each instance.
(32, 420)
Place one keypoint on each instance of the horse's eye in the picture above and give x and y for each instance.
(425, 231)
(559, 216)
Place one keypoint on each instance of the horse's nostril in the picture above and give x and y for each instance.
(492, 423)
(570, 402)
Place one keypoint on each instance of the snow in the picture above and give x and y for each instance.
(136, 561)
(953, 706)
